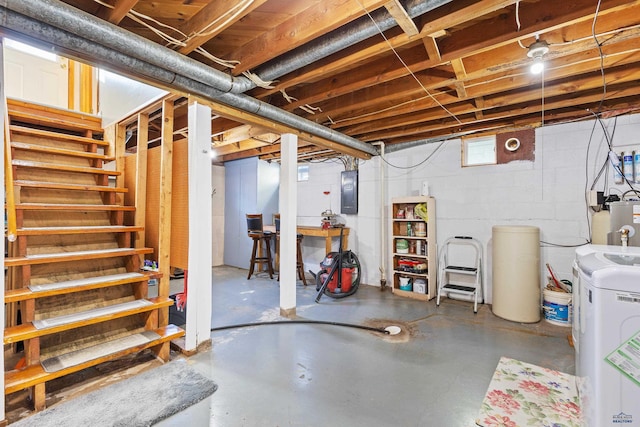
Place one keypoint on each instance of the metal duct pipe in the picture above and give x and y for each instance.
(86, 26)
(134, 66)
(70, 19)
(338, 39)
(392, 148)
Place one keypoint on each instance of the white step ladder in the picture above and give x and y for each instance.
(474, 287)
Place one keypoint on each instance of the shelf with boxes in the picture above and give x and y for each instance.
(414, 247)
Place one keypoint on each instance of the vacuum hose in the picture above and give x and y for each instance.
(299, 322)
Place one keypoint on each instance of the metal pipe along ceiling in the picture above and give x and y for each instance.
(135, 66)
(199, 78)
(341, 38)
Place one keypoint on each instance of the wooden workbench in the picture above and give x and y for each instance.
(328, 234)
(313, 231)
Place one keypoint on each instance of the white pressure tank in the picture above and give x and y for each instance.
(516, 273)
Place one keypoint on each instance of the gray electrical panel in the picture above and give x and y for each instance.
(349, 192)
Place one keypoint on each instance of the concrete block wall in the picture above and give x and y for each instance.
(548, 192)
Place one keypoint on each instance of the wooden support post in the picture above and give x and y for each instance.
(164, 222)
(200, 234)
(116, 136)
(38, 396)
(141, 180)
(86, 88)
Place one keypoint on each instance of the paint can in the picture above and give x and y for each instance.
(557, 307)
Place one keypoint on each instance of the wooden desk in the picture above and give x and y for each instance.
(312, 231)
(328, 234)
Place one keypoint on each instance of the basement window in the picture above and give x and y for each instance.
(479, 151)
(303, 173)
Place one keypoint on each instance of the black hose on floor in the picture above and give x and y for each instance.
(298, 322)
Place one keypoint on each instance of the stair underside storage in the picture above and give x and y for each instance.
(75, 296)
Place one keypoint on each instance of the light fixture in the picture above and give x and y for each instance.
(536, 51)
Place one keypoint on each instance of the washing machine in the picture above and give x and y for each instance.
(606, 334)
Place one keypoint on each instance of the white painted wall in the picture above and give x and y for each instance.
(217, 216)
(120, 95)
(547, 193)
(251, 186)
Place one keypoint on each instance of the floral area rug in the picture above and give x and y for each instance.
(521, 394)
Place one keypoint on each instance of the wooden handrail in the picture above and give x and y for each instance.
(8, 180)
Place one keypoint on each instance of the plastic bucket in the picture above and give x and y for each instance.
(405, 284)
(557, 307)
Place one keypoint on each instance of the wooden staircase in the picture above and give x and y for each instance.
(74, 292)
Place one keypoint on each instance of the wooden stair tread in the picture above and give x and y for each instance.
(50, 116)
(76, 285)
(56, 186)
(64, 168)
(56, 135)
(60, 151)
(73, 256)
(73, 207)
(54, 325)
(40, 231)
(20, 379)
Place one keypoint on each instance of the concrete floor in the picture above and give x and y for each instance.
(319, 375)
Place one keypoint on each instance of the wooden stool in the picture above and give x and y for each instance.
(258, 238)
(255, 232)
(299, 262)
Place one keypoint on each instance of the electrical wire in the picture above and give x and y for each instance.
(301, 322)
(595, 38)
(406, 66)
(557, 245)
(416, 165)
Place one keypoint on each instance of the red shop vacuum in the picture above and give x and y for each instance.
(338, 285)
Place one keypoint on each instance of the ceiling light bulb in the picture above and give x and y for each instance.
(536, 51)
(538, 66)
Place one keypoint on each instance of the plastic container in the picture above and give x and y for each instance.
(402, 246)
(420, 286)
(617, 170)
(627, 161)
(557, 307)
(405, 284)
(636, 165)
(516, 273)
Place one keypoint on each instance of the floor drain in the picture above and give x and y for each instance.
(393, 330)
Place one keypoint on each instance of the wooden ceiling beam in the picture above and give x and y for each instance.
(456, 12)
(116, 14)
(212, 19)
(508, 106)
(274, 127)
(461, 76)
(586, 78)
(316, 20)
(395, 9)
(471, 36)
(369, 75)
(240, 133)
(431, 46)
(484, 83)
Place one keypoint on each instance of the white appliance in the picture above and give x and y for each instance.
(606, 334)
